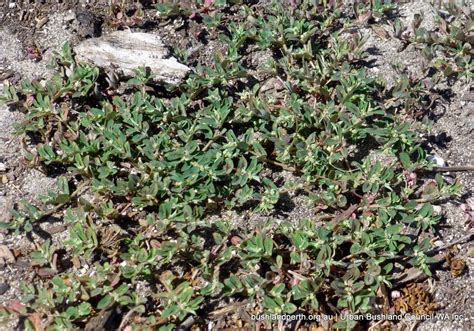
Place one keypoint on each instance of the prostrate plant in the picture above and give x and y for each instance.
(450, 47)
(159, 162)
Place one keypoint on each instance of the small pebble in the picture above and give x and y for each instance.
(440, 162)
(3, 167)
(56, 229)
(438, 243)
(395, 294)
(70, 17)
(11, 5)
(437, 209)
(46, 272)
(470, 252)
(4, 287)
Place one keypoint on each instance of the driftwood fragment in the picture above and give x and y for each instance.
(124, 51)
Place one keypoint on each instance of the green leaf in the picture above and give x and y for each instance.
(394, 229)
(268, 244)
(271, 304)
(405, 159)
(105, 302)
(121, 290)
(72, 312)
(233, 283)
(295, 258)
(84, 308)
(277, 290)
(290, 308)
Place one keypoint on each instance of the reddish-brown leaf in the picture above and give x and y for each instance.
(36, 321)
(17, 307)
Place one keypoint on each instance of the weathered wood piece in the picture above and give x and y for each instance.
(125, 51)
